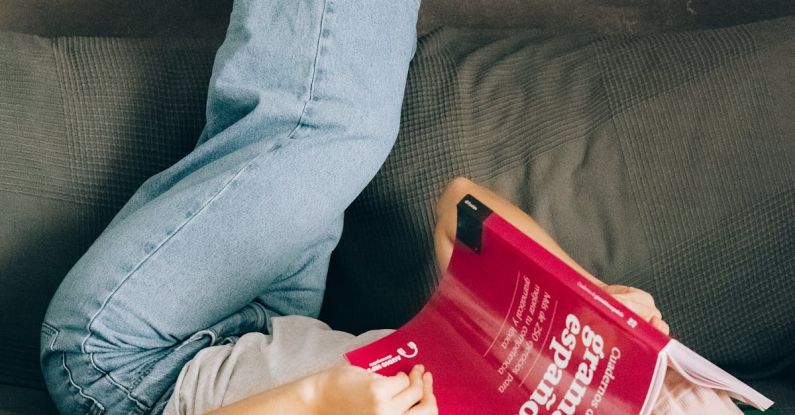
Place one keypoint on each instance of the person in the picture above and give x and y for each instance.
(234, 240)
(303, 107)
(252, 376)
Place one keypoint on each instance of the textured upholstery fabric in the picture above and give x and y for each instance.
(603, 16)
(661, 161)
(664, 162)
(83, 122)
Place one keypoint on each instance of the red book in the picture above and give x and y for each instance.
(512, 329)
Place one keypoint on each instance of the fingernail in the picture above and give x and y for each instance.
(421, 368)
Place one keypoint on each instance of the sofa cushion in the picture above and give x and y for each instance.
(665, 162)
(604, 16)
(83, 122)
(661, 161)
(19, 401)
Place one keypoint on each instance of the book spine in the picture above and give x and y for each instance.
(469, 225)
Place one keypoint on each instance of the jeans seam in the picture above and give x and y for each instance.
(313, 78)
(199, 211)
(198, 336)
(225, 186)
(261, 316)
(53, 332)
(213, 336)
(76, 386)
(118, 384)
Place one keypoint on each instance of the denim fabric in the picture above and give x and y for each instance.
(303, 108)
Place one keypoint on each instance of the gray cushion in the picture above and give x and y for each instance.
(18, 401)
(663, 161)
(605, 16)
(83, 122)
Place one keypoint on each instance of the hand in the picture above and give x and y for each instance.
(641, 302)
(345, 390)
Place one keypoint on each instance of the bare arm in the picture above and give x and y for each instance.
(639, 301)
(344, 390)
(293, 398)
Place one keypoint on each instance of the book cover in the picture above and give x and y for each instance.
(512, 329)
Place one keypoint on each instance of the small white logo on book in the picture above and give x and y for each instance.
(412, 347)
(632, 322)
(390, 360)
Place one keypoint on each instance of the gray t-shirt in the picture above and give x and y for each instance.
(298, 346)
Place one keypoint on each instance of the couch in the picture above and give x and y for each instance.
(657, 145)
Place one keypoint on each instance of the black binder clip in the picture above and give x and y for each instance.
(469, 227)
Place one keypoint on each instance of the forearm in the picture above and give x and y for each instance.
(345, 390)
(637, 300)
(292, 398)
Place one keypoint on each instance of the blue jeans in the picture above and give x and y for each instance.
(303, 108)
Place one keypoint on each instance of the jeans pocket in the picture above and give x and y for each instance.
(68, 396)
(49, 335)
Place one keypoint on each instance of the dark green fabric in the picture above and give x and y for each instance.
(772, 411)
(16, 401)
(664, 162)
(82, 123)
(31, 122)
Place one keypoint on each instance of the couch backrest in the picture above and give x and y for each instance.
(83, 122)
(663, 162)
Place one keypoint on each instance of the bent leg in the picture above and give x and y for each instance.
(303, 108)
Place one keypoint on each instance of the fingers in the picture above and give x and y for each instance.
(640, 302)
(393, 385)
(413, 393)
(636, 294)
(661, 325)
(645, 311)
(427, 405)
